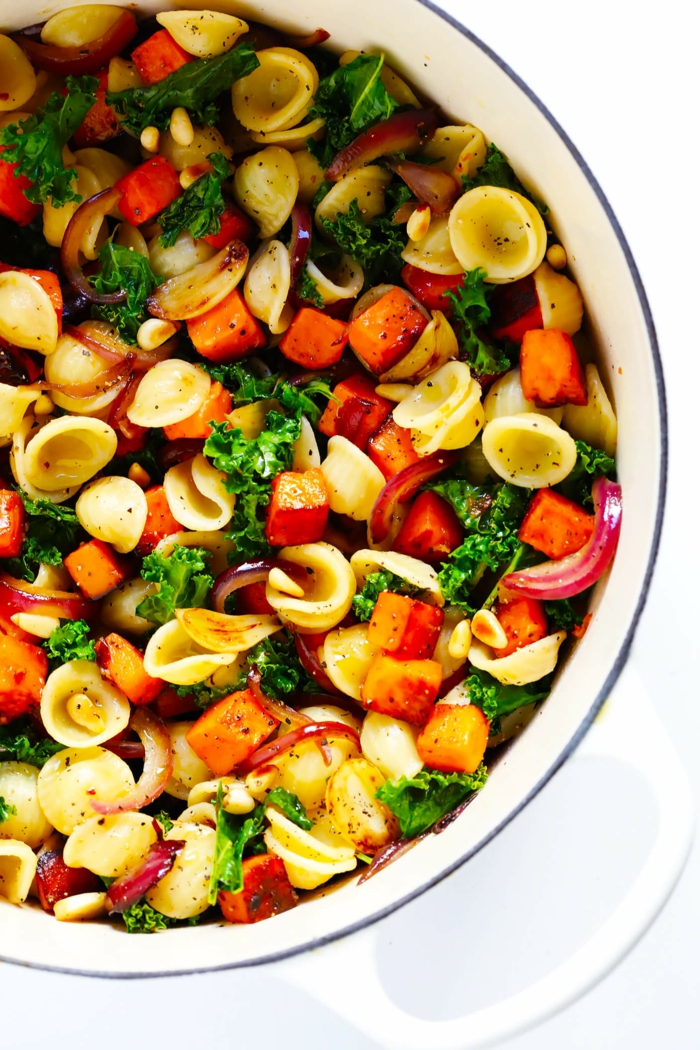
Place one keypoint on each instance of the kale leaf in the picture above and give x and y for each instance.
(184, 579)
(496, 700)
(280, 668)
(204, 693)
(496, 171)
(142, 918)
(245, 388)
(199, 208)
(196, 86)
(20, 742)
(7, 810)
(471, 311)
(52, 531)
(591, 463)
(164, 820)
(122, 268)
(562, 615)
(307, 290)
(363, 603)
(375, 245)
(36, 144)
(68, 642)
(419, 802)
(290, 805)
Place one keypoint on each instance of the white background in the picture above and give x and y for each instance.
(620, 78)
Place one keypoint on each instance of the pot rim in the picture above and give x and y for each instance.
(623, 653)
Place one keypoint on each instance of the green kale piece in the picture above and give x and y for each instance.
(422, 800)
(471, 311)
(21, 742)
(7, 810)
(184, 579)
(363, 603)
(69, 642)
(52, 531)
(200, 207)
(376, 245)
(496, 700)
(591, 463)
(122, 268)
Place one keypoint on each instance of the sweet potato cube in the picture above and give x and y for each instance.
(523, 620)
(23, 669)
(390, 448)
(55, 880)
(555, 525)
(96, 568)
(298, 510)
(159, 56)
(550, 369)
(266, 891)
(454, 739)
(214, 409)
(227, 332)
(148, 189)
(386, 331)
(122, 662)
(431, 530)
(230, 731)
(159, 521)
(356, 412)
(11, 523)
(313, 339)
(169, 704)
(407, 628)
(405, 689)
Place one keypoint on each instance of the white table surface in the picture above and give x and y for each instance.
(620, 78)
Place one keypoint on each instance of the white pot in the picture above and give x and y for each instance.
(447, 64)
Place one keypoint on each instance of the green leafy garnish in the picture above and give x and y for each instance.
(164, 820)
(204, 693)
(280, 669)
(52, 531)
(496, 700)
(68, 642)
(290, 805)
(36, 144)
(422, 800)
(196, 86)
(199, 208)
(307, 289)
(363, 603)
(375, 245)
(142, 918)
(20, 742)
(351, 99)
(562, 615)
(123, 268)
(7, 810)
(470, 312)
(245, 388)
(184, 580)
(496, 171)
(591, 463)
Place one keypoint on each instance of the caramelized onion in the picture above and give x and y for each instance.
(387, 855)
(200, 289)
(402, 487)
(308, 657)
(83, 58)
(269, 752)
(157, 765)
(110, 347)
(18, 596)
(100, 384)
(131, 887)
(178, 451)
(430, 185)
(95, 207)
(401, 133)
(118, 419)
(126, 749)
(246, 572)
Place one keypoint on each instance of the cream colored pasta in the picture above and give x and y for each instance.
(267, 284)
(197, 496)
(129, 237)
(215, 542)
(354, 481)
(110, 845)
(331, 713)
(201, 813)
(310, 857)
(265, 185)
(436, 346)
(27, 315)
(173, 656)
(53, 577)
(169, 392)
(182, 893)
(442, 654)
(457, 149)
(118, 609)
(305, 449)
(203, 33)
(81, 907)
(67, 452)
(201, 288)
(328, 588)
(79, 25)
(18, 786)
(56, 219)
(207, 790)
(397, 88)
(505, 398)
(17, 870)
(181, 257)
(250, 419)
(278, 94)
(188, 768)
(596, 422)
(354, 809)
(71, 780)
(223, 633)
(414, 571)
(122, 75)
(445, 410)
(113, 509)
(80, 708)
(365, 185)
(433, 252)
(347, 655)
(499, 230)
(303, 771)
(525, 665)
(17, 77)
(74, 362)
(512, 725)
(391, 745)
(27, 429)
(106, 167)
(529, 450)
(343, 282)
(560, 300)
(14, 402)
(292, 138)
(310, 175)
(205, 141)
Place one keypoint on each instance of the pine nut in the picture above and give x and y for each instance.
(460, 641)
(556, 257)
(84, 713)
(154, 332)
(139, 475)
(36, 624)
(394, 391)
(486, 627)
(238, 800)
(181, 126)
(419, 223)
(150, 137)
(279, 579)
(261, 781)
(81, 907)
(194, 172)
(43, 406)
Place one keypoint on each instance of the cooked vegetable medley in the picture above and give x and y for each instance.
(306, 469)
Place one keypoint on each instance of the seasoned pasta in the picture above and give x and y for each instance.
(112, 845)
(499, 230)
(434, 253)
(365, 185)
(267, 284)
(72, 362)
(17, 870)
(80, 708)
(27, 315)
(18, 787)
(114, 510)
(170, 392)
(61, 455)
(203, 33)
(353, 481)
(328, 590)
(310, 858)
(265, 186)
(72, 779)
(278, 94)
(444, 410)
(14, 402)
(197, 496)
(596, 422)
(173, 656)
(17, 80)
(188, 769)
(183, 892)
(528, 449)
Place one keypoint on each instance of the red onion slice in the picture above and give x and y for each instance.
(111, 348)
(118, 419)
(269, 752)
(569, 576)
(309, 660)
(401, 133)
(178, 451)
(131, 887)
(246, 572)
(95, 207)
(85, 58)
(309, 40)
(99, 385)
(300, 242)
(127, 749)
(430, 185)
(157, 765)
(283, 713)
(18, 596)
(402, 487)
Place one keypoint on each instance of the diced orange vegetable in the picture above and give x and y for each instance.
(235, 226)
(96, 568)
(405, 689)
(390, 448)
(386, 331)
(11, 523)
(455, 738)
(227, 332)
(550, 369)
(429, 288)
(431, 530)
(357, 412)
(55, 880)
(159, 521)
(148, 189)
(251, 599)
(580, 629)
(407, 628)
(523, 620)
(314, 340)
(100, 124)
(215, 409)
(169, 704)
(23, 669)
(122, 662)
(230, 731)
(555, 525)
(158, 57)
(298, 510)
(266, 891)
(13, 203)
(515, 309)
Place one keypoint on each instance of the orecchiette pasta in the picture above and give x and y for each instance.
(347, 655)
(169, 392)
(66, 452)
(434, 252)
(205, 141)
(173, 656)
(354, 809)
(215, 542)
(414, 571)
(444, 410)
(79, 25)
(27, 315)
(365, 185)
(353, 480)
(182, 893)
(306, 453)
(80, 708)
(328, 588)
(596, 422)
(74, 362)
(459, 150)
(17, 870)
(18, 787)
(197, 496)
(122, 75)
(267, 284)
(436, 346)
(310, 857)
(14, 402)
(203, 33)
(200, 813)
(188, 769)
(498, 230)
(525, 665)
(343, 282)
(310, 175)
(113, 509)
(559, 298)
(17, 77)
(118, 610)
(505, 398)
(391, 745)
(278, 94)
(181, 257)
(110, 845)
(71, 780)
(529, 450)
(292, 138)
(56, 220)
(302, 770)
(265, 186)
(105, 166)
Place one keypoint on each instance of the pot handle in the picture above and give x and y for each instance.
(344, 975)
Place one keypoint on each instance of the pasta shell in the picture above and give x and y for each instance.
(305, 449)
(17, 77)
(183, 892)
(498, 230)
(213, 541)
(344, 282)
(188, 768)
(267, 286)
(118, 609)
(82, 677)
(67, 452)
(113, 509)
(397, 88)
(596, 422)
(203, 33)
(56, 219)
(415, 572)
(206, 140)
(197, 496)
(525, 665)
(310, 175)
(310, 857)
(221, 633)
(433, 252)
(529, 450)
(354, 809)
(73, 362)
(505, 398)
(278, 94)
(79, 25)
(560, 300)
(180, 257)
(391, 745)
(110, 845)
(329, 588)
(202, 287)
(292, 138)
(17, 870)
(347, 655)
(457, 149)
(27, 315)
(265, 185)
(18, 786)
(365, 185)
(169, 392)
(14, 402)
(173, 656)
(354, 481)
(436, 346)
(72, 779)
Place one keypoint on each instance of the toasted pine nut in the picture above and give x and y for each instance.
(84, 713)
(261, 781)
(139, 475)
(279, 579)
(181, 126)
(460, 640)
(238, 800)
(154, 332)
(43, 406)
(36, 624)
(207, 790)
(81, 907)
(486, 627)
(194, 172)
(394, 391)
(419, 223)
(150, 137)
(556, 257)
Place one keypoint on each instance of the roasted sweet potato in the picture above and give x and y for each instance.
(390, 448)
(404, 627)
(298, 510)
(227, 332)
(230, 731)
(405, 689)
(356, 411)
(454, 739)
(266, 891)
(159, 521)
(555, 525)
(523, 620)
(550, 370)
(11, 523)
(96, 568)
(431, 530)
(386, 331)
(23, 670)
(122, 662)
(313, 339)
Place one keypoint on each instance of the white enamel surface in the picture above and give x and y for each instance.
(469, 86)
